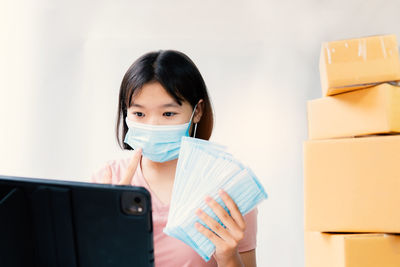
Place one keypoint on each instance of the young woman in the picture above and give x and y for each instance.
(162, 98)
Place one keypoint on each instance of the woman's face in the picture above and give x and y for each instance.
(153, 105)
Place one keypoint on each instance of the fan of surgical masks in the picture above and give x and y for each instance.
(203, 168)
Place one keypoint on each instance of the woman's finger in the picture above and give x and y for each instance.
(233, 209)
(225, 218)
(130, 171)
(214, 226)
(216, 240)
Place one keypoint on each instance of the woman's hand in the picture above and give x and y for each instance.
(130, 170)
(226, 240)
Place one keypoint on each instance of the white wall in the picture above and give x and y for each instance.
(61, 64)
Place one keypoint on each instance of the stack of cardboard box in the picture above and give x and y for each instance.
(352, 160)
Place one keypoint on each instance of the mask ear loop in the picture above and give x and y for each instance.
(195, 130)
(195, 125)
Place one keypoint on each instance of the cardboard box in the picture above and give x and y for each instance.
(352, 184)
(351, 250)
(373, 110)
(358, 63)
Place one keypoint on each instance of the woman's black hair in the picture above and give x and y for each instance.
(180, 77)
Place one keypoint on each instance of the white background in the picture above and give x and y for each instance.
(61, 64)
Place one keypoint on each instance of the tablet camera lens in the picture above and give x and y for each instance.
(133, 203)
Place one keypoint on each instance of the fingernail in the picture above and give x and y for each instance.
(207, 199)
(221, 192)
(199, 211)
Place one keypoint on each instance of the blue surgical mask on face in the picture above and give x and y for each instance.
(159, 143)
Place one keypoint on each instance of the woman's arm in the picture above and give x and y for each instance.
(249, 258)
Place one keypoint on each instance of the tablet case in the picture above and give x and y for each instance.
(72, 224)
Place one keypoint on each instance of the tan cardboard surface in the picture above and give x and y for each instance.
(351, 250)
(358, 63)
(352, 184)
(373, 110)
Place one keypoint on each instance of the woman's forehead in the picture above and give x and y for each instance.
(154, 95)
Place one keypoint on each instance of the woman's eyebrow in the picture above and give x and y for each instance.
(136, 105)
(168, 105)
(172, 104)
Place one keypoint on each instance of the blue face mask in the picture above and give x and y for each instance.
(159, 143)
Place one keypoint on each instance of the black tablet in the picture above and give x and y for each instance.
(73, 224)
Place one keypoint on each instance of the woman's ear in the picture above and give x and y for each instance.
(199, 111)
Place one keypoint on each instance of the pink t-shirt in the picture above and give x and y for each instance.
(169, 251)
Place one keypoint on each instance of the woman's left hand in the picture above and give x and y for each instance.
(226, 240)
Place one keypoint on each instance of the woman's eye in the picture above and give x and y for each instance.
(139, 114)
(169, 114)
